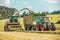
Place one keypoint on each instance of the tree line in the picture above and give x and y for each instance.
(5, 12)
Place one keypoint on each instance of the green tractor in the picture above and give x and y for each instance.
(12, 24)
(44, 23)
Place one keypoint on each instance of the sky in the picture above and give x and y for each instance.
(35, 5)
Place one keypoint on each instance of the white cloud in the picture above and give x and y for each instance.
(25, 3)
(51, 1)
(30, 7)
(5, 2)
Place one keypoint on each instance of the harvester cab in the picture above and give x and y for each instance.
(13, 19)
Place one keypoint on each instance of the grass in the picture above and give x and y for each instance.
(57, 32)
(3, 37)
(2, 23)
(54, 18)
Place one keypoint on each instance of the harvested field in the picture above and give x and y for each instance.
(27, 36)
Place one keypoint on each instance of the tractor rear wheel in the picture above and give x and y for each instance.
(53, 28)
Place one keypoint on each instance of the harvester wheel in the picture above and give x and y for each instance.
(6, 28)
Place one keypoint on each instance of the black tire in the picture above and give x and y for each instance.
(53, 28)
(47, 27)
(6, 28)
(39, 27)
